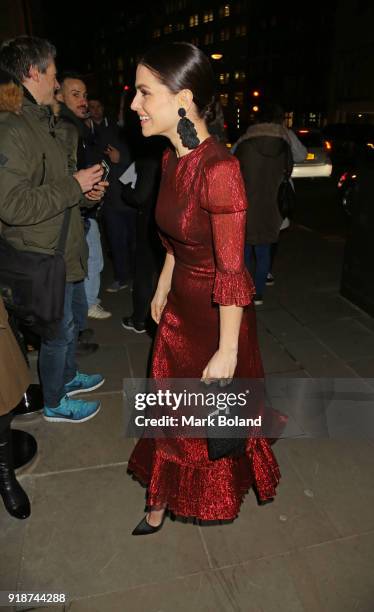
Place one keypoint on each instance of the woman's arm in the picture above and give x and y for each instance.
(223, 363)
(163, 287)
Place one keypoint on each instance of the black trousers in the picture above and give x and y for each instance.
(147, 266)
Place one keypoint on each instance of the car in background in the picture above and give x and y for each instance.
(317, 163)
(347, 140)
(349, 179)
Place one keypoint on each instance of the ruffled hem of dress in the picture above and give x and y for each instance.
(233, 289)
(206, 496)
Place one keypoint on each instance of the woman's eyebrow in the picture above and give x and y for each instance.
(140, 85)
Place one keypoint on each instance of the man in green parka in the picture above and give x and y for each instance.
(36, 187)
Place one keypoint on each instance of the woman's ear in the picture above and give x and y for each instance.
(185, 99)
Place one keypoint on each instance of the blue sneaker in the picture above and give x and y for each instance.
(82, 383)
(71, 411)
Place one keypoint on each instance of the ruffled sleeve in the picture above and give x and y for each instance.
(226, 202)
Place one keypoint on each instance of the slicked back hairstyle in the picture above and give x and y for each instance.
(181, 65)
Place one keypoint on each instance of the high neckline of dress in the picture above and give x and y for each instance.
(193, 151)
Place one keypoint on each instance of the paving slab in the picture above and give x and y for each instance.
(68, 446)
(250, 587)
(284, 326)
(274, 356)
(347, 338)
(110, 361)
(79, 537)
(340, 573)
(293, 520)
(316, 358)
(12, 534)
(340, 473)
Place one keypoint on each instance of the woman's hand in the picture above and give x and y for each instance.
(159, 302)
(220, 367)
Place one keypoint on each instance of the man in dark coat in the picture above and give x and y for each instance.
(264, 155)
(104, 142)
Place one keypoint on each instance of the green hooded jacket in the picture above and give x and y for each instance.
(36, 185)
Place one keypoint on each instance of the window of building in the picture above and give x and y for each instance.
(179, 27)
(288, 117)
(239, 75)
(208, 16)
(239, 98)
(156, 33)
(209, 38)
(194, 20)
(195, 41)
(224, 78)
(224, 99)
(168, 28)
(224, 10)
(225, 34)
(120, 63)
(240, 30)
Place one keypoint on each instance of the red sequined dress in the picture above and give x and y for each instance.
(201, 212)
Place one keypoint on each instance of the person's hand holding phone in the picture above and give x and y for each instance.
(89, 177)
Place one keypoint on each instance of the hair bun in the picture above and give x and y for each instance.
(210, 112)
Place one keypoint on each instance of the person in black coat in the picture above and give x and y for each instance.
(149, 251)
(264, 155)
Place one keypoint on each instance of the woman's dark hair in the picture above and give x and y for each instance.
(181, 65)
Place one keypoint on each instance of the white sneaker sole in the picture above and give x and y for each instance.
(100, 316)
(61, 420)
(109, 290)
(71, 393)
(140, 331)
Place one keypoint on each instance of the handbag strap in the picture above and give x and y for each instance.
(64, 232)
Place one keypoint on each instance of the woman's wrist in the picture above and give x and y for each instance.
(229, 350)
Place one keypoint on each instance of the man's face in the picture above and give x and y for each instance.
(73, 93)
(96, 110)
(47, 85)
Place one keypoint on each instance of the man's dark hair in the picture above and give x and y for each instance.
(69, 74)
(17, 55)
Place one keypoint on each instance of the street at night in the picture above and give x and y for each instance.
(186, 210)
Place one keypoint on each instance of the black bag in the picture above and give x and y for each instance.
(286, 192)
(33, 284)
(286, 198)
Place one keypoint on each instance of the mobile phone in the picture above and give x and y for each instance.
(106, 170)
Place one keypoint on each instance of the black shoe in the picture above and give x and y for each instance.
(258, 300)
(86, 335)
(270, 280)
(85, 348)
(144, 528)
(135, 326)
(14, 497)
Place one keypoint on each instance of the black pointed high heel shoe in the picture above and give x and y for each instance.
(144, 528)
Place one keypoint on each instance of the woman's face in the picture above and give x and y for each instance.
(156, 105)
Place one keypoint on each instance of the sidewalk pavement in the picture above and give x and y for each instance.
(312, 550)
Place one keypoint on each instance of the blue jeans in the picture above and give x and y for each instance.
(57, 365)
(263, 258)
(95, 263)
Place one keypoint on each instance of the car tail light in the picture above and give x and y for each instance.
(303, 131)
(342, 179)
(327, 145)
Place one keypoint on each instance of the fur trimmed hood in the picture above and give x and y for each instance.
(11, 94)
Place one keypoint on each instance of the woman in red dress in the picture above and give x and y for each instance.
(206, 322)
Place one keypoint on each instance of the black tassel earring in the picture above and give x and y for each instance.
(186, 130)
